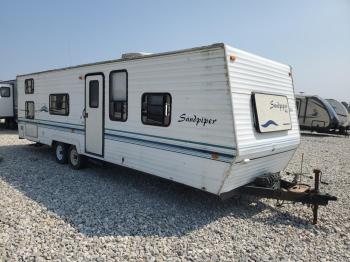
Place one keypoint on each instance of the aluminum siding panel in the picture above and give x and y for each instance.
(250, 73)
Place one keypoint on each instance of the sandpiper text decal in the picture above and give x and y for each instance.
(197, 120)
(272, 112)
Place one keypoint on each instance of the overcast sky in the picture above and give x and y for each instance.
(313, 36)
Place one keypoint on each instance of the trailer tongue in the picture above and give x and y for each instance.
(272, 186)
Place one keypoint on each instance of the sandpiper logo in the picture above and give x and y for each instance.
(278, 105)
(44, 109)
(269, 123)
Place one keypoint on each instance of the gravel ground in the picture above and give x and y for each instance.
(50, 212)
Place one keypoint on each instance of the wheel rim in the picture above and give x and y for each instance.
(59, 152)
(74, 157)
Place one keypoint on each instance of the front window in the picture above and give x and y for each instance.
(5, 91)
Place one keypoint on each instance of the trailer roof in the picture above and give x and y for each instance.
(216, 45)
(7, 81)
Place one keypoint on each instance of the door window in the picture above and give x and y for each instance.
(93, 93)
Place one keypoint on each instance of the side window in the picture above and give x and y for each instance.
(5, 91)
(156, 109)
(118, 95)
(29, 86)
(59, 104)
(93, 93)
(30, 109)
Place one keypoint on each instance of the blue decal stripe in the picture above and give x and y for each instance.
(42, 121)
(173, 139)
(138, 141)
(82, 127)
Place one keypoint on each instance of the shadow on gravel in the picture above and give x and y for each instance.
(106, 200)
(7, 131)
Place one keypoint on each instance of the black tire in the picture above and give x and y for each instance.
(7, 123)
(12, 124)
(61, 153)
(76, 161)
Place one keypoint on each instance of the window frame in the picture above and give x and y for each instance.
(26, 109)
(111, 117)
(7, 87)
(157, 93)
(52, 113)
(98, 93)
(25, 86)
(298, 105)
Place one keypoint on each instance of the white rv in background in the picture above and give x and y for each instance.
(316, 114)
(8, 102)
(211, 117)
(341, 111)
(347, 106)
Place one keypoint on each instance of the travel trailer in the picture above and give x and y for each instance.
(316, 114)
(8, 102)
(347, 106)
(342, 113)
(211, 117)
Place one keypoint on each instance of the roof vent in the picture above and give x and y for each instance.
(134, 55)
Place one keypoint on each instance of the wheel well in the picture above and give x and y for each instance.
(70, 143)
(54, 143)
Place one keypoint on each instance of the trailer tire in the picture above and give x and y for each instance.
(61, 153)
(76, 160)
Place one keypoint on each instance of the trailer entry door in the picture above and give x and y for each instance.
(94, 114)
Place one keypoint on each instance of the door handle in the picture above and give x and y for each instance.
(84, 114)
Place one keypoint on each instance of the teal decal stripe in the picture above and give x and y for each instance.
(139, 141)
(53, 123)
(82, 127)
(173, 139)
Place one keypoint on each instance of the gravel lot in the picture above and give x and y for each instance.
(50, 212)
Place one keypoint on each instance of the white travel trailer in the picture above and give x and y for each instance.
(316, 114)
(211, 117)
(8, 102)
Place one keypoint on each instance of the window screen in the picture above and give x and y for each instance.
(5, 91)
(94, 93)
(59, 104)
(118, 95)
(29, 86)
(29, 109)
(156, 109)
